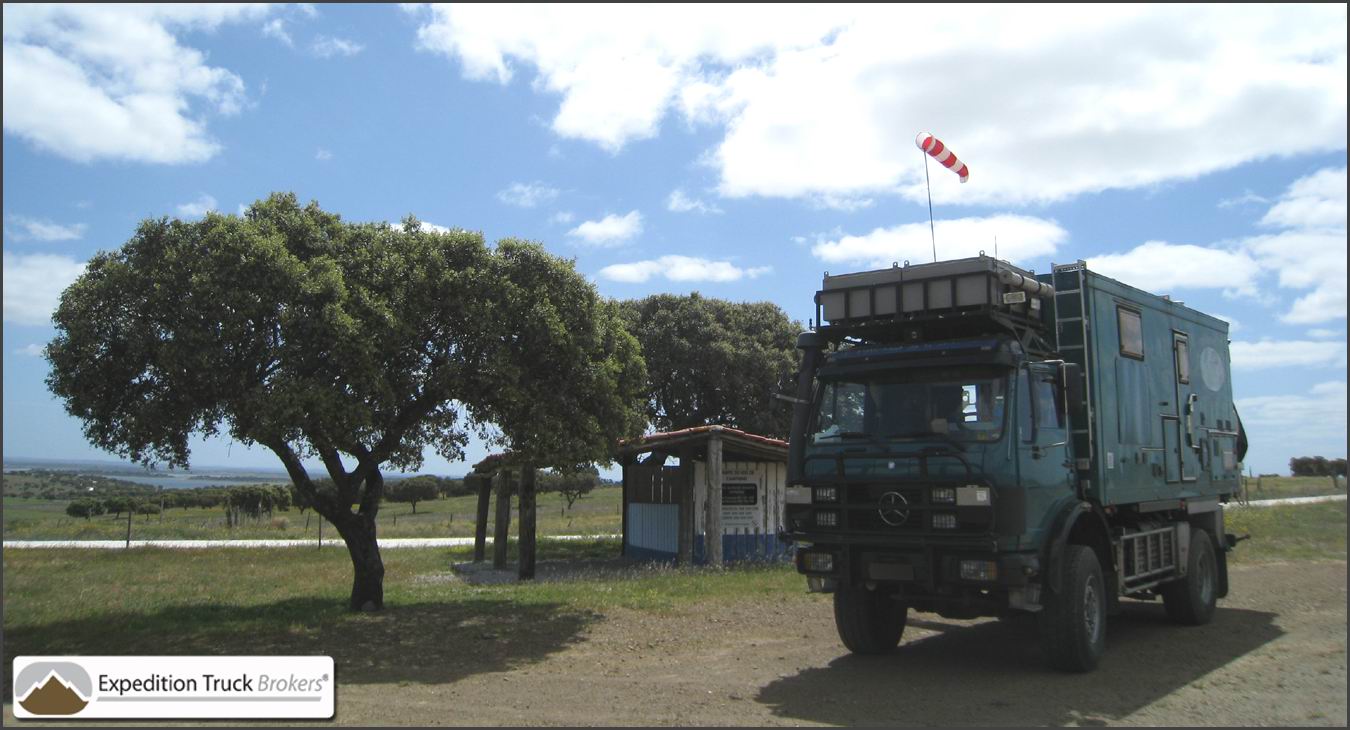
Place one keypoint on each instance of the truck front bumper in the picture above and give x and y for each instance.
(930, 567)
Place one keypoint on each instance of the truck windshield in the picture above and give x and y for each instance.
(912, 406)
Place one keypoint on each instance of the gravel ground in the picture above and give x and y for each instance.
(1274, 655)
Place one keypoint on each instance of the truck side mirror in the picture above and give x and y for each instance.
(1071, 375)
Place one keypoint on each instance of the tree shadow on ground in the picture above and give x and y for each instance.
(994, 673)
(431, 642)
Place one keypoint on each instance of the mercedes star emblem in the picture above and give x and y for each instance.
(892, 508)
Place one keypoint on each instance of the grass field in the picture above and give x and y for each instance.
(38, 519)
(278, 601)
(598, 513)
(1280, 487)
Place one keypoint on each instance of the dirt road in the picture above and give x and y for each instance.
(1274, 655)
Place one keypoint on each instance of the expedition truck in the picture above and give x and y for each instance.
(973, 440)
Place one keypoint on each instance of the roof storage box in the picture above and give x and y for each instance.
(901, 292)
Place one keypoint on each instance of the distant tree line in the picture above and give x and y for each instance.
(1316, 466)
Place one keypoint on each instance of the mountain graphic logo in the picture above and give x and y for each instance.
(53, 688)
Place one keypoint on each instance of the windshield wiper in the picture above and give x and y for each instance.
(928, 434)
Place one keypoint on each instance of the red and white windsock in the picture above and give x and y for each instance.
(938, 151)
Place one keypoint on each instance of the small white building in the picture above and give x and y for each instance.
(666, 508)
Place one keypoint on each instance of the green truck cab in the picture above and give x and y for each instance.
(972, 440)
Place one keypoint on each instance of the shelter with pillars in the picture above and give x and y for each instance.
(722, 502)
(508, 476)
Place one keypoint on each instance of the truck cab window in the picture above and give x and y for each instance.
(965, 408)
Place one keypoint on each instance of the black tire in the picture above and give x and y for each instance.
(869, 622)
(1073, 620)
(1191, 600)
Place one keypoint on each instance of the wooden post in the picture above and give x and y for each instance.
(623, 506)
(502, 531)
(130, 510)
(480, 527)
(527, 524)
(712, 523)
(684, 540)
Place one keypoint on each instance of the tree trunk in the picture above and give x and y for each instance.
(358, 531)
(480, 527)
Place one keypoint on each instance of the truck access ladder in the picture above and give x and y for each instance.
(1148, 558)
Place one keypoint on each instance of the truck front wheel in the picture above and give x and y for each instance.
(869, 622)
(1073, 619)
(1191, 600)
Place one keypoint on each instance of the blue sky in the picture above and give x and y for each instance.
(737, 151)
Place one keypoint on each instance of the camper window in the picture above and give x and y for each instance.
(1131, 333)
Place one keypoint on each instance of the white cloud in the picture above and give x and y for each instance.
(1315, 201)
(681, 203)
(681, 269)
(428, 227)
(1020, 239)
(328, 47)
(1161, 267)
(93, 82)
(563, 217)
(1043, 103)
(196, 209)
(323, 155)
(43, 230)
(527, 195)
(1310, 253)
(1284, 426)
(612, 230)
(1286, 353)
(29, 350)
(1325, 334)
(276, 28)
(1246, 198)
(1233, 324)
(33, 285)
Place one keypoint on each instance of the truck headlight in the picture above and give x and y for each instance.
(827, 518)
(983, 570)
(827, 494)
(818, 562)
(944, 521)
(944, 495)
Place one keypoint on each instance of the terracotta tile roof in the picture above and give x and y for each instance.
(687, 433)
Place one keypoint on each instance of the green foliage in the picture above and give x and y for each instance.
(570, 485)
(1316, 466)
(117, 505)
(359, 344)
(413, 490)
(567, 380)
(711, 361)
(85, 508)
